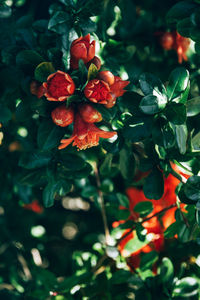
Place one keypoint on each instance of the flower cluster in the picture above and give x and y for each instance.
(103, 89)
(173, 40)
(156, 223)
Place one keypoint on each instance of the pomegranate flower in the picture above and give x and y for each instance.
(181, 46)
(96, 61)
(117, 88)
(81, 48)
(62, 116)
(85, 135)
(98, 91)
(89, 114)
(37, 89)
(59, 86)
(34, 206)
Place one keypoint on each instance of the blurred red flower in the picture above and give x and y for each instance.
(34, 206)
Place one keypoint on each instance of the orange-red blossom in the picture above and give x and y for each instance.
(59, 86)
(154, 225)
(62, 116)
(85, 135)
(81, 48)
(173, 40)
(105, 89)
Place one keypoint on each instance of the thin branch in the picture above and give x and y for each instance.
(24, 265)
(102, 205)
(146, 219)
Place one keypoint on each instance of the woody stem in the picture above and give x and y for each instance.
(102, 205)
(146, 219)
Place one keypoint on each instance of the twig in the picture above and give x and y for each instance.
(146, 219)
(102, 205)
(24, 265)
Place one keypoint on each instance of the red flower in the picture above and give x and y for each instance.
(81, 48)
(62, 116)
(181, 46)
(85, 135)
(117, 88)
(173, 40)
(96, 61)
(89, 114)
(155, 225)
(167, 40)
(36, 89)
(34, 206)
(107, 77)
(97, 91)
(59, 86)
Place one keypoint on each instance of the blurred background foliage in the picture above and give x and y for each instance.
(59, 252)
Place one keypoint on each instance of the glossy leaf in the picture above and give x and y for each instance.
(178, 81)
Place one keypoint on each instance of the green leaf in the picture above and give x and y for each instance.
(178, 82)
(31, 160)
(138, 128)
(181, 10)
(54, 187)
(184, 27)
(151, 85)
(28, 60)
(126, 163)
(120, 276)
(176, 113)
(151, 104)
(193, 107)
(172, 229)
(154, 185)
(43, 70)
(148, 259)
(106, 165)
(192, 188)
(123, 200)
(141, 232)
(166, 273)
(163, 133)
(197, 214)
(92, 72)
(186, 288)
(5, 114)
(134, 244)
(181, 137)
(60, 22)
(33, 178)
(143, 208)
(196, 142)
(49, 135)
(67, 159)
(89, 191)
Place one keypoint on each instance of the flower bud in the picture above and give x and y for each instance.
(97, 91)
(96, 61)
(62, 116)
(36, 89)
(89, 114)
(167, 40)
(107, 76)
(59, 86)
(81, 48)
